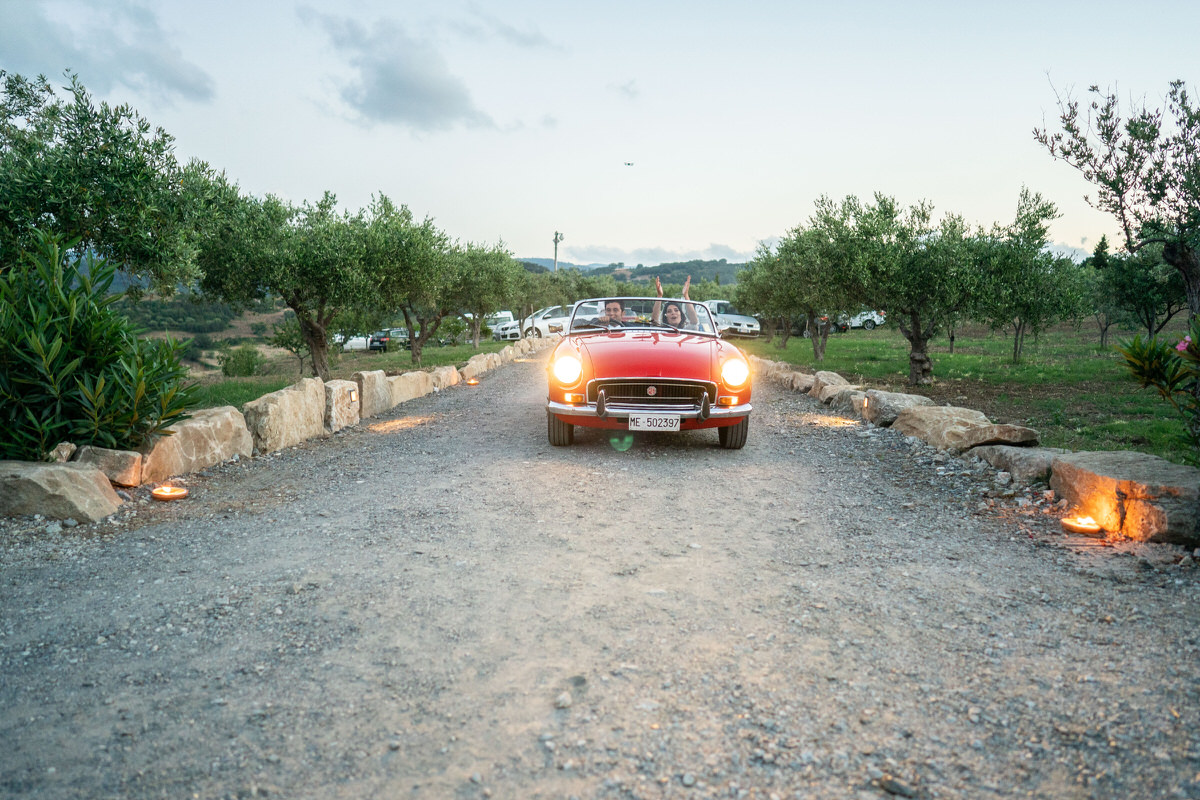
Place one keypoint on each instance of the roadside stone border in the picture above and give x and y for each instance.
(1132, 495)
(83, 490)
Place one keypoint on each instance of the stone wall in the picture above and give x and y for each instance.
(308, 409)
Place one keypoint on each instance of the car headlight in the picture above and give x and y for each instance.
(734, 372)
(567, 369)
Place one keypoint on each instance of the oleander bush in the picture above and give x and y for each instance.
(71, 367)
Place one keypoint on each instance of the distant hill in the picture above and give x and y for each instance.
(677, 272)
(670, 272)
(548, 263)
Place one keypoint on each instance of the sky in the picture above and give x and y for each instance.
(644, 132)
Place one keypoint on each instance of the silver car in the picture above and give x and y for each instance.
(731, 322)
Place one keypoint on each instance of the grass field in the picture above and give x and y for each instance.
(1075, 394)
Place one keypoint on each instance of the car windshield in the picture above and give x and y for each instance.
(657, 313)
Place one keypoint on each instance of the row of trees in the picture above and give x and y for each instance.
(928, 274)
(104, 180)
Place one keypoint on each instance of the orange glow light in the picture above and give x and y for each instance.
(1080, 525)
(473, 382)
(169, 493)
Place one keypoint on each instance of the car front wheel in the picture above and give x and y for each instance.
(558, 432)
(733, 437)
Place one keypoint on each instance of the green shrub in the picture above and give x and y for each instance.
(241, 362)
(71, 368)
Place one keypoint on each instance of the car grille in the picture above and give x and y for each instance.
(636, 393)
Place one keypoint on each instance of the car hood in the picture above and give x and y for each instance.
(651, 354)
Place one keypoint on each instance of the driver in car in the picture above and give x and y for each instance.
(613, 314)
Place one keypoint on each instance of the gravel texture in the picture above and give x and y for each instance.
(439, 604)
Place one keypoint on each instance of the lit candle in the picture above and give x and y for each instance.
(1080, 525)
(169, 493)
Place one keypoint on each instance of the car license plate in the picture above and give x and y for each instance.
(653, 422)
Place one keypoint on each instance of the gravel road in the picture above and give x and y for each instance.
(438, 604)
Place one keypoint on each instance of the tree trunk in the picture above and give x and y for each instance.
(1018, 339)
(951, 336)
(1187, 261)
(920, 365)
(313, 331)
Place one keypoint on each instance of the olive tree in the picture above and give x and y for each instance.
(414, 269)
(1145, 168)
(97, 175)
(310, 256)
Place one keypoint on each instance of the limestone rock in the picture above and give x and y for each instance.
(801, 381)
(1025, 464)
(1015, 435)
(848, 399)
(287, 417)
(445, 377)
(374, 394)
(63, 452)
(409, 386)
(883, 407)
(211, 436)
(56, 491)
(122, 467)
(824, 378)
(340, 410)
(1142, 497)
(944, 427)
(831, 390)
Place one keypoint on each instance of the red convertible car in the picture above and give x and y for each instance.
(646, 364)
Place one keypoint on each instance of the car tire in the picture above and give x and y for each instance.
(558, 432)
(733, 437)
(537, 333)
(869, 325)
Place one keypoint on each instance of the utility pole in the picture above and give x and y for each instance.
(558, 237)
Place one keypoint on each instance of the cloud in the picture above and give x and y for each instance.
(629, 89)
(489, 27)
(113, 44)
(399, 80)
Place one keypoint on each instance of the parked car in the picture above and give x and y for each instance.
(538, 325)
(641, 374)
(507, 332)
(732, 322)
(867, 320)
(389, 339)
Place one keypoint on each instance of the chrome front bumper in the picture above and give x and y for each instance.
(623, 410)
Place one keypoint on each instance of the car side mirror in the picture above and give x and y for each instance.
(555, 327)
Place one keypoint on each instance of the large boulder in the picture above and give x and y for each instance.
(409, 386)
(374, 394)
(882, 407)
(56, 491)
(800, 381)
(825, 378)
(1142, 497)
(831, 390)
(341, 405)
(1025, 464)
(211, 436)
(944, 427)
(122, 467)
(1013, 435)
(445, 377)
(287, 417)
(848, 399)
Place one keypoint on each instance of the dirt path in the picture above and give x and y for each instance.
(441, 605)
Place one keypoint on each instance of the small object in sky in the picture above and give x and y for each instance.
(629, 163)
